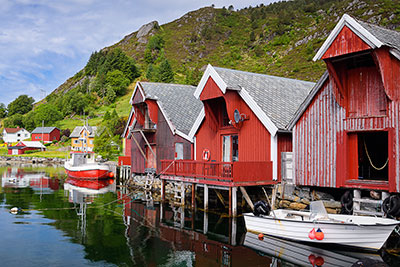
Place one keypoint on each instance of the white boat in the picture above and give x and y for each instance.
(356, 231)
(83, 165)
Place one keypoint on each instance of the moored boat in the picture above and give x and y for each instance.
(321, 228)
(83, 165)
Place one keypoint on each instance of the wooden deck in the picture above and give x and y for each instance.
(218, 173)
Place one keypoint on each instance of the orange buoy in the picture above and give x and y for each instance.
(311, 234)
(319, 261)
(111, 181)
(110, 174)
(261, 237)
(319, 235)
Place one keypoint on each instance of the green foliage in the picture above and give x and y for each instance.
(46, 113)
(13, 121)
(165, 73)
(110, 95)
(153, 48)
(21, 105)
(107, 142)
(3, 111)
(117, 81)
(29, 121)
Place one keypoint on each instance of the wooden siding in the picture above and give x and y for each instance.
(211, 90)
(345, 43)
(163, 143)
(323, 141)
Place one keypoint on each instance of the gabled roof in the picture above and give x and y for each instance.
(45, 130)
(31, 144)
(176, 102)
(273, 99)
(375, 36)
(308, 100)
(78, 129)
(13, 130)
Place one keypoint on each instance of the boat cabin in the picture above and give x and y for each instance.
(347, 132)
(163, 117)
(241, 131)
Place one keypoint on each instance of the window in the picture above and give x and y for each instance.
(91, 142)
(18, 135)
(230, 148)
(178, 150)
(26, 135)
(76, 142)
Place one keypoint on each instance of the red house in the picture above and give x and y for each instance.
(23, 146)
(159, 128)
(347, 132)
(242, 129)
(49, 134)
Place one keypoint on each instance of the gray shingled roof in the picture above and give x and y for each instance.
(278, 97)
(178, 102)
(45, 130)
(92, 131)
(388, 37)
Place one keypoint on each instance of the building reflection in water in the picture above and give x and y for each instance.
(179, 236)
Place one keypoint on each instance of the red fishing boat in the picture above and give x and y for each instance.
(83, 165)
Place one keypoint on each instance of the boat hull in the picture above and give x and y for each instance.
(93, 171)
(371, 237)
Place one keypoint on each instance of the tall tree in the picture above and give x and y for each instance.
(21, 105)
(165, 73)
(3, 111)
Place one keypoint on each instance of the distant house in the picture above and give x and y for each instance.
(49, 134)
(11, 135)
(83, 136)
(23, 146)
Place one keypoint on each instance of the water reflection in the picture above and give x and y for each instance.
(94, 223)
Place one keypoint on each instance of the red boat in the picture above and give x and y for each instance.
(82, 165)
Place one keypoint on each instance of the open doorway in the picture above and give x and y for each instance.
(373, 155)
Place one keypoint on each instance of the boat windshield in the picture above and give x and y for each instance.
(317, 207)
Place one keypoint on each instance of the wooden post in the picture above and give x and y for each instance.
(183, 191)
(205, 223)
(205, 198)
(234, 201)
(356, 194)
(230, 201)
(193, 196)
(233, 232)
(246, 197)
(163, 190)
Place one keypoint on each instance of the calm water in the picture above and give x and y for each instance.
(65, 222)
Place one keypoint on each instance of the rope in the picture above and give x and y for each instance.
(370, 161)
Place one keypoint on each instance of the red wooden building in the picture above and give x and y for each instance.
(242, 129)
(347, 132)
(46, 134)
(163, 116)
(22, 146)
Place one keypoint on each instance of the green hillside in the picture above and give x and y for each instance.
(278, 39)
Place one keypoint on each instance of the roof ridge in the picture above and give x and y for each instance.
(173, 84)
(261, 74)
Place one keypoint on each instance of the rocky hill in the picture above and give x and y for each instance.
(278, 39)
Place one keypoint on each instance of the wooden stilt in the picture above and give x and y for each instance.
(163, 190)
(205, 198)
(230, 201)
(193, 196)
(234, 201)
(220, 197)
(246, 197)
(205, 223)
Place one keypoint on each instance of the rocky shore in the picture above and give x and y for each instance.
(8, 160)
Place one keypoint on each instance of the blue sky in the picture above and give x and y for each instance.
(44, 42)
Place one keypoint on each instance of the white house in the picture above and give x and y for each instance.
(11, 135)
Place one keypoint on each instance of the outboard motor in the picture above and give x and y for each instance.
(261, 208)
(347, 202)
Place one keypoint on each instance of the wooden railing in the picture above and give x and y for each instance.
(240, 171)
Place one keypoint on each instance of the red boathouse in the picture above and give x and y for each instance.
(46, 134)
(241, 131)
(160, 124)
(347, 132)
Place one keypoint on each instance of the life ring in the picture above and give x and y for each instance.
(206, 154)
